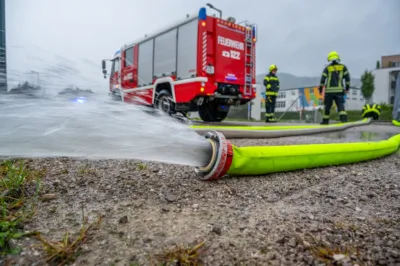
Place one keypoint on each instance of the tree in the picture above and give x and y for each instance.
(367, 85)
(378, 64)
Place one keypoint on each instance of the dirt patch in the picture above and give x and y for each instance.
(154, 212)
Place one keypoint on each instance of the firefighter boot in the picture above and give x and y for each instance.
(325, 121)
(267, 118)
(343, 118)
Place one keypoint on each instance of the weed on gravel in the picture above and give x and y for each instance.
(66, 250)
(19, 195)
(180, 256)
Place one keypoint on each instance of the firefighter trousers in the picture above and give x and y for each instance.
(270, 102)
(328, 101)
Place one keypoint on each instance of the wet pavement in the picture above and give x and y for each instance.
(356, 135)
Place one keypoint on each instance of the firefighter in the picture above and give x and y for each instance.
(333, 75)
(271, 83)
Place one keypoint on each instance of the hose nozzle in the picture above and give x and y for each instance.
(221, 159)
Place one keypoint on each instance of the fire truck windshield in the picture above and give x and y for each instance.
(115, 66)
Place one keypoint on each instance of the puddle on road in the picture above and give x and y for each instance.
(357, 136)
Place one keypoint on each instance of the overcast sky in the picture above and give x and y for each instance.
(296, 35)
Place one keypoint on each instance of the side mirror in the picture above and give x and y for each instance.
(103, 66)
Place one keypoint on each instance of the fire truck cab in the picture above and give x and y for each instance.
(202, 63)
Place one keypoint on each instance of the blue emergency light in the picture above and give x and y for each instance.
(203, 13)
(79, 100)
(254, 33)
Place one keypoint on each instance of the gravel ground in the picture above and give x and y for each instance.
(347, 215)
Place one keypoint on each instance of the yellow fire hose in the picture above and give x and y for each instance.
(228, 159)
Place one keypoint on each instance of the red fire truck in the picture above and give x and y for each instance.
(203, 63)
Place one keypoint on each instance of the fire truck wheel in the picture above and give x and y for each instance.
(209, 113)
(164, 102)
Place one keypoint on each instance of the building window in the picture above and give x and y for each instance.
(395, 64)
(354, 92)
(280, 104)
(293, 92)
(354, 99)
(281, 95)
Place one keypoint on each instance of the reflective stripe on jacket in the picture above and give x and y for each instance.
(333, 75)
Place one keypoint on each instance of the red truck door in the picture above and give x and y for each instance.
(128, 70)
(229, 54)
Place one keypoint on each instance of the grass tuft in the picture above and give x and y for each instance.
(181, 256)
(326, 253)
(19, 190)
(141, 166)
(67, 250)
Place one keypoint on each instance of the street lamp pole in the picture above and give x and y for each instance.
(38, 80)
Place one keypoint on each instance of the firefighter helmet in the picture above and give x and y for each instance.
(272, 68)
(333, 56)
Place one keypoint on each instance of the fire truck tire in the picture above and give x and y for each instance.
(116, 97)
(164, 102)
(209, 113)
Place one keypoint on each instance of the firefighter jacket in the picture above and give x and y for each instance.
(333, 75)
(271, 83)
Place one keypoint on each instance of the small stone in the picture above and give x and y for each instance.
(170, 197)
(217, 230)
(48, 197)
(331, 196)
(147, 240)
(281, 240)
(292, 243)
(371, 195)
(338, 257)
(306, 244)
(271, 256)
(195, 206)
(358, 209)
(311, 217)
(36, 253)
(395, 194)
(123, 220)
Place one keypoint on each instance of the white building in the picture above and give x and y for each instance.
(385, 83)
(290, 100)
